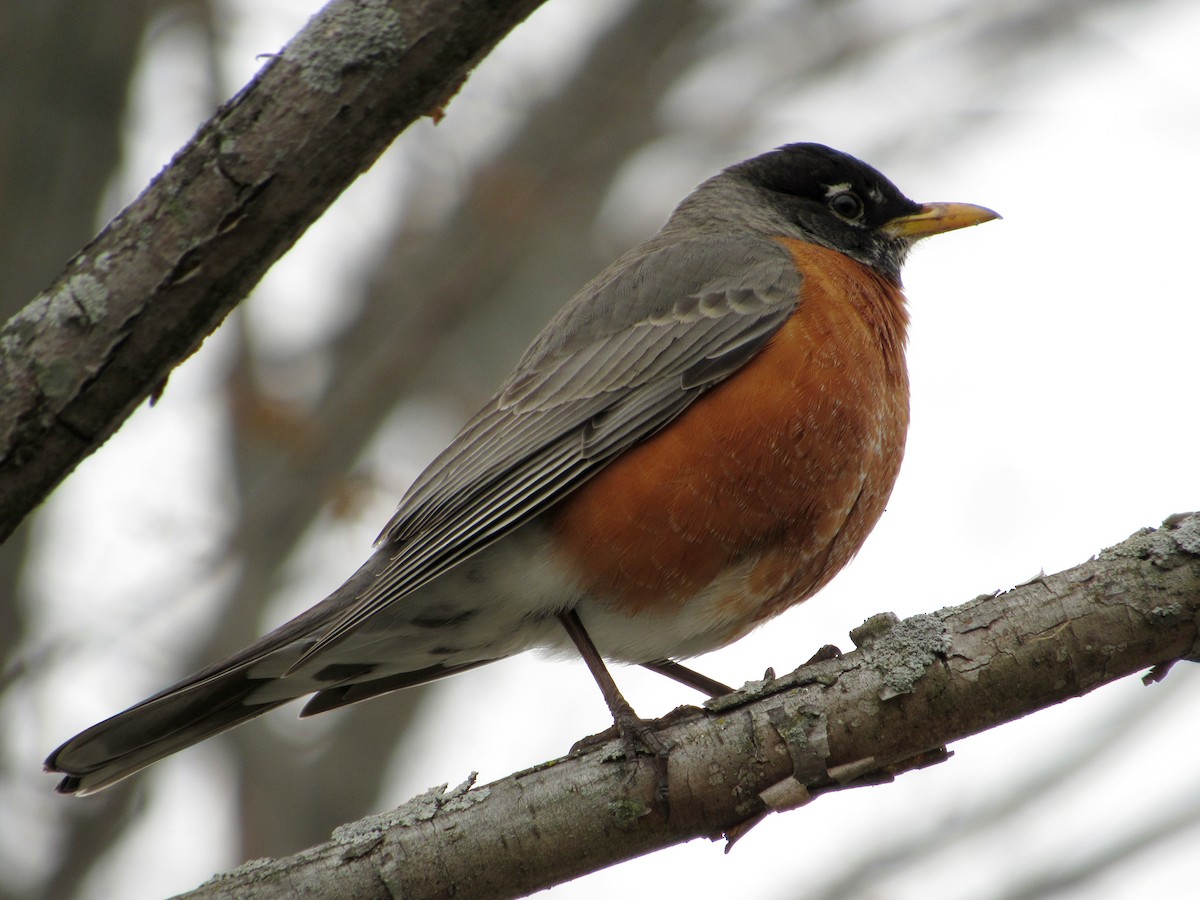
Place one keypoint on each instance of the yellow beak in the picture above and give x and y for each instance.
(934, 218)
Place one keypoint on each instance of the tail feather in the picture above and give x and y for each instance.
(213, 701)
(345, 694)
(247, 684)
(155, 728)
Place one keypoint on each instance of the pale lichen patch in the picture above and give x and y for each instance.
(907, 652)
(331, 45)
(82, 299)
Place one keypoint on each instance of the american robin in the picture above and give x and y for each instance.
(700, 439)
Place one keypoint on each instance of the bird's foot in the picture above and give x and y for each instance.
(638, 737)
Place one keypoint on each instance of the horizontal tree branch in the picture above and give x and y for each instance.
(143, 294)
(910, 688)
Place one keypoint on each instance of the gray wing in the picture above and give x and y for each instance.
(630, 352)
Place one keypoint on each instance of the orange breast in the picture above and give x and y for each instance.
(787, 464)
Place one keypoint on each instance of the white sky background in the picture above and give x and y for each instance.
(1053, 360)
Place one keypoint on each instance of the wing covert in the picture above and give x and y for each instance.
(628, 354)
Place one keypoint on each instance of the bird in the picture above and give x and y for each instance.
(700, 439)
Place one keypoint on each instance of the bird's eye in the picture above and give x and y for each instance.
(847, 205)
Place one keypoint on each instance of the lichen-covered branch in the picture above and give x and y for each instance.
(910, 688)
(147, 290)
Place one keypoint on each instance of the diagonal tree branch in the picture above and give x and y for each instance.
(911, 688)
(146, 291)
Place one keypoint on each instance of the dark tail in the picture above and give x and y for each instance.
(252, 681)
(176, 718)
(210, 702)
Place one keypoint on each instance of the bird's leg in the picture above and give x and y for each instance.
(630, 727)
(690, 677)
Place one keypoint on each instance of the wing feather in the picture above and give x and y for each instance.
(630, 353)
